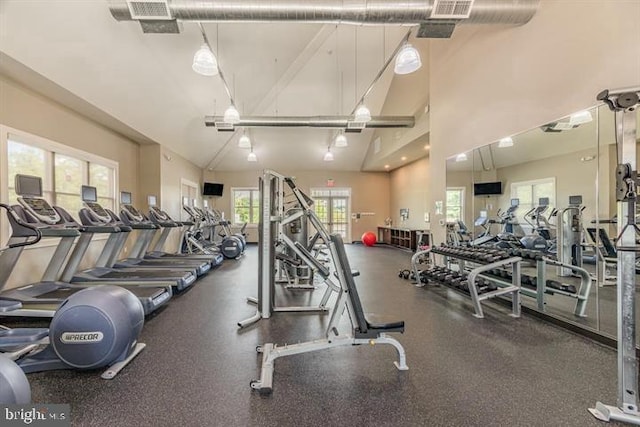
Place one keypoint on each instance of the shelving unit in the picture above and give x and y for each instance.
(400, 237)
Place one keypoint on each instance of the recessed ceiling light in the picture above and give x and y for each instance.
(403, 158)
(386, 166)
(462, 157)
(505, 142)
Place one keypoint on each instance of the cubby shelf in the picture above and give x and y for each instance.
(400, 237)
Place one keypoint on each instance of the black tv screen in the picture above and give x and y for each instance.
(487, 188)
(212, 189)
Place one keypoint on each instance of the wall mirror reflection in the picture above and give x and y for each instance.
(548, 196)
(534, 194)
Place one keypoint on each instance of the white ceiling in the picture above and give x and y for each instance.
(535, 144)
(144, 83)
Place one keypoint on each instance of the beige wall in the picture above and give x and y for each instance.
(173, 169)
(490, 82)
(27, 111)
(572, 177)
(369, 192)
(149, 174)
(409, 189)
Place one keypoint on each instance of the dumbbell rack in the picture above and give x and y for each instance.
(480, 260)
(543, 287)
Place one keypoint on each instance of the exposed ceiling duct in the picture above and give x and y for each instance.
(327, 122)
(436, 18)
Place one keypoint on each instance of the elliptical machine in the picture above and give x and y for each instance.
(232, 244)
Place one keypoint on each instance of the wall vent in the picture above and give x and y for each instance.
(451, 9)
(149, 9)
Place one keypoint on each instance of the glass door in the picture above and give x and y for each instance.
(333, 213)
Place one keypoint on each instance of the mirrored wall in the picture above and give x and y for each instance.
(550, 189)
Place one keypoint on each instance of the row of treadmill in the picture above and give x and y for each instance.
(152, 274)
(96, 313)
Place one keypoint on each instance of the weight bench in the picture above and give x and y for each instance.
(363, 331)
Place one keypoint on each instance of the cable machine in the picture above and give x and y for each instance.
(624, 102)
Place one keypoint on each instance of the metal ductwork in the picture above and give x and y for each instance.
(327, 122)
(436, 18)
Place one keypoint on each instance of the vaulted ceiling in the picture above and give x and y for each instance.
(142, 85)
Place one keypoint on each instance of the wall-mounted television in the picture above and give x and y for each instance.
(212, 189)
(487, 188)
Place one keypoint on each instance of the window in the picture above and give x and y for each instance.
(63, 170)
(455, 204)
(529, 193)
(246, 205)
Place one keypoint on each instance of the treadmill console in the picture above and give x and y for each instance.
(133, 213)
(40, 209)
(161, 215)
(98, 212)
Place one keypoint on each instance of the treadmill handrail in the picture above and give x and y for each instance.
(37, 234)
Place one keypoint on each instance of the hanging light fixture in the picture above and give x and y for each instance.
(204, 61)
(244, 141)
(407, 60)
(328, 156)
(341, 140)
(462, 157)
(252, 156)
(505, 142)
(231, 115)
(362, 114)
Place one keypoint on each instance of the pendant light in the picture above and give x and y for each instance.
(362, 114)
(252, 156)
(231, 115)
(407, 60)
(341, 140)
(328, 156)
(244, 141)
(204, 61)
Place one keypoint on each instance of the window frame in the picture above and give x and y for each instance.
(463, 194)
(532, 183)
(50, 148)
(252, 200)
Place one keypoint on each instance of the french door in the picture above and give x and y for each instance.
(333, 210)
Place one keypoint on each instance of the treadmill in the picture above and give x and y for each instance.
(94, 215)
(164, 221)
(33, 216)
(131, 217)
